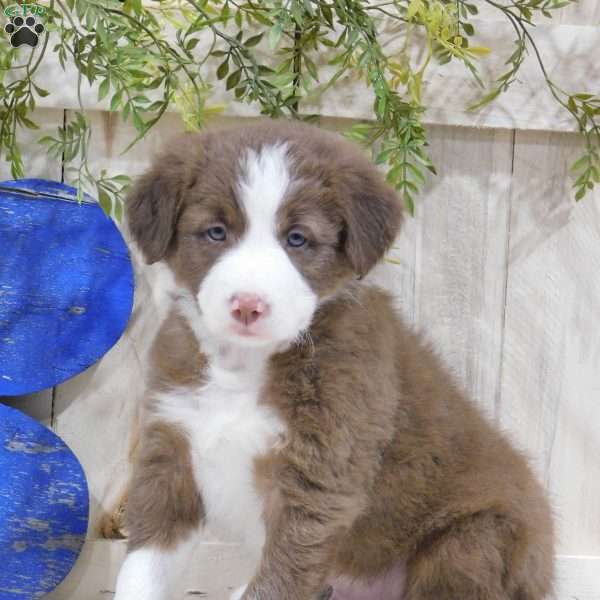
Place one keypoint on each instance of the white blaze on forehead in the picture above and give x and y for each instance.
(263, 185)
(258, 263)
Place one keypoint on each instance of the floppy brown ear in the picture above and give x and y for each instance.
(373, 216)
(153, 205)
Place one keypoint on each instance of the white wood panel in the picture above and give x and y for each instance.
(462, 223)
(214, 571)
(110, 137)
(36, 161)
(551, 366)
(582, 12)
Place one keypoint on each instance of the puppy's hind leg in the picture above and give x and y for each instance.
(163, 509)
(478, 558)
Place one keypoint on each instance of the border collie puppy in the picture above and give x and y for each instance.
(291, 407)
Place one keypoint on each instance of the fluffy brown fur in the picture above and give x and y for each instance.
(385, 460)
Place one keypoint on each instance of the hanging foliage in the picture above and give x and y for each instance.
(147, 57)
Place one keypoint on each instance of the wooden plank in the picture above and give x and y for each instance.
(35, 156)
(578, 578)
(462, 235)
(551, 354)
(582, 12)
(110, 137)
(215, 569)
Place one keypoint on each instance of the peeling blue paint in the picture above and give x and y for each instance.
(66, 285)
(44, 507)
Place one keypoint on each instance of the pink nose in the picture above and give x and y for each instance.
(248, 308)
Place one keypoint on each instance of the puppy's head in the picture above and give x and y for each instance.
(262, 224)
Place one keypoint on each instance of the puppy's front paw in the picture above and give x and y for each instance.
(237, 595)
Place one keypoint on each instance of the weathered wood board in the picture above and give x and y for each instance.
(461, 255)
(36, 161)
(551, 352)
(216, 569)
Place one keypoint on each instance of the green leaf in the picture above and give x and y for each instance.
(414, 7)
(223, 69)
(311, 68)
(468, 28)
(118, 211)
(327, 15)
(233, 79)
(580, 164)
(383, 157)
(409, 203)
(28, 123)
(485, 100)
(103, 89)
(192, 43)
(275, 35)
(138, 122)
(105, 201)
(46, 140)
(40, 91)
(254, 40)
(416, 173)
(237, 19)
(116, 100)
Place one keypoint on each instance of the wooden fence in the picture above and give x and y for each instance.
(500, 268)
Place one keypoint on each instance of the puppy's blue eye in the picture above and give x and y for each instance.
(295, 239)
(217, 233)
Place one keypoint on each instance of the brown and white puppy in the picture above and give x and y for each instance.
(292, 408)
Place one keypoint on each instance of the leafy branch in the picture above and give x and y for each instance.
(584, 107)
(143, 59)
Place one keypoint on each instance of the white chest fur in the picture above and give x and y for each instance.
(228, 428)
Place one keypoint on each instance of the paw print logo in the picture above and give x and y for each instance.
(24, 31)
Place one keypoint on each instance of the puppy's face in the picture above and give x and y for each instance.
(263, 224)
